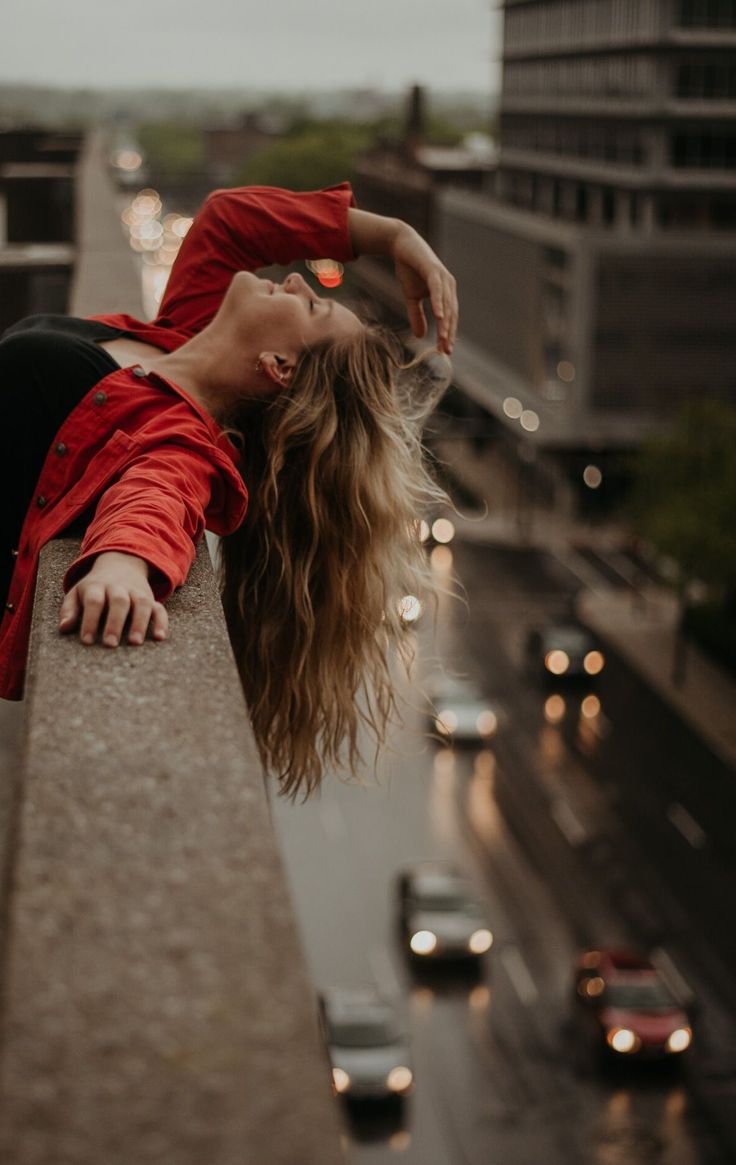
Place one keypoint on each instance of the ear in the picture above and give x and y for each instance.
(277, 366)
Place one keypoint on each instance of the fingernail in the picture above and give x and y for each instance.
(111, 640)
(88, 639)
(135, 637)
(160, 634)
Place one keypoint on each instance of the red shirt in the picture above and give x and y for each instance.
(156, 468)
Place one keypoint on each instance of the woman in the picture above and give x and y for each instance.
(132, 427)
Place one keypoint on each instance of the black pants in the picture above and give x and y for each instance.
(44, 373)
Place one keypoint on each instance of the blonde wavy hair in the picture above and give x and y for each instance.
(313, 579)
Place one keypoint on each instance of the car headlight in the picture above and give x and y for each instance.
(487, 723)
(446, 722)
(340, 1079)
(423, 942)
(557, 662)
(443, 530)
(399, 1079)
(679, 1040)
(480, 941)
(594, 663)
(623, 1040)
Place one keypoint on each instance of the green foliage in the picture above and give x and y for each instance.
(684, 494)
(315, 153)
(172, 148)
(309, 156)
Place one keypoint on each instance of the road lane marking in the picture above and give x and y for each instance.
(687, 825)
(568, 822)
(583, 571)
(520, 975)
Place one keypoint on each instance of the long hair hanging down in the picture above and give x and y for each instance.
(312, 581)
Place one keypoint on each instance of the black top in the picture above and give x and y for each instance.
(48, 363)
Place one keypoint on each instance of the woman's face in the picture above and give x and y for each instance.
(288, 316)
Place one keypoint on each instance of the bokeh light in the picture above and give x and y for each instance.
(328, 271)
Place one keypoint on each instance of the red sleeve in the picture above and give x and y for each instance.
(246, 228)
(156, 510)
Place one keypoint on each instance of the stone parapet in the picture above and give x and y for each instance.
(157, 1005)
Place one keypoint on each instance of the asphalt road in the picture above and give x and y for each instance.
(501, 1073)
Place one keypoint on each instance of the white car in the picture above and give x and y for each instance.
(368, 1047)
(440, 915)
(461, 714)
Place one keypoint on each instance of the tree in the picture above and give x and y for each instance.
(309, 157)
(683, 501)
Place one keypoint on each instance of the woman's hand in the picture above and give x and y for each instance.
(419, 271)
(422, 276)
(115, 588)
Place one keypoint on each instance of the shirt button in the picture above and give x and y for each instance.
(99, 398)
(10, 606)
(40, 501)
(139, 372)
(13, 553)
(60, 449)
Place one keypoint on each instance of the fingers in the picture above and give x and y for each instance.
(69, 612)
(443, 297)
(147, 614)
(417, 318)
(108, 609)
(160, 621)
(93, 604)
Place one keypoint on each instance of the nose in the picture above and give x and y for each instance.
(294, 283)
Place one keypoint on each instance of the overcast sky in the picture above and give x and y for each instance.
(289, 44)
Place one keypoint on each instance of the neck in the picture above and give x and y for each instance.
(208, 371)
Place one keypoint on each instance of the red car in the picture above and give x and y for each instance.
(629, 1007)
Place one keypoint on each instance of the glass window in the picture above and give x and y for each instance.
(703, 150)
(708, 13)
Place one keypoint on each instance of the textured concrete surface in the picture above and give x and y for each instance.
(12, 720)
(157, 1007)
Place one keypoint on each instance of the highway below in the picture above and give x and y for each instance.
(571, 834)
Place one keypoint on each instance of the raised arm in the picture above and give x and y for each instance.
(250, 227)
(244, 229)
(420, 273)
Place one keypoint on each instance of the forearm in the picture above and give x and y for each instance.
(373, 234)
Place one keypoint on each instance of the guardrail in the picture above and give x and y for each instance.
(156, 1003)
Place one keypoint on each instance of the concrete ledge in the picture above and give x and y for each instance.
(156, 1003)
(107, 278)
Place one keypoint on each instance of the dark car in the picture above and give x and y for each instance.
(563, 651)
(628, 1008)
(439, 914)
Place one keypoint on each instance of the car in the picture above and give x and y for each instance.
(440, 917)
(459, 713)
(564, 651)
(367, 1044)
(629, 1009)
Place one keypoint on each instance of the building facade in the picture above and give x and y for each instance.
(599, 279)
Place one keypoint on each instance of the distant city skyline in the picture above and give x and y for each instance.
(283, 45)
